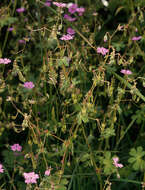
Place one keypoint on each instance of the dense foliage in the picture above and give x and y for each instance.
(72, 95)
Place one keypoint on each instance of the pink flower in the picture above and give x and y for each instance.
(126, 72)
(136, 38)
(69, 18)
(16, 147)
(47, 4)
(115, 162)
(102, 50)
(62, 5)
(29, 85)
(20, 10)
(73, 8)
(80, 10)
(1, 168)
(30, 177)
(22, 41)
(70, 31)
(67, 37)
(47, 172)
(10, 29)
(5, 61)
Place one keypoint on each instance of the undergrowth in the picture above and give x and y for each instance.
(72, 101)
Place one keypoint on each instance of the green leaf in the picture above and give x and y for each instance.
(51, 43)
(107, 162)
(132, 152)
(137, 158)
(63, 61)
(107, 133)
(8, 158)
(7, 20)
(131, 160)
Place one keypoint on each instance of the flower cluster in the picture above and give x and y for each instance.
(126, 72)
(5, 61)
(73, 8)
(16, 147)
(30, 177)
(102, 50)
(29, 85)
(1, 168)
(115, 162)
(69, 35)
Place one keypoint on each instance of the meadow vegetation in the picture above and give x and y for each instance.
(72, 95)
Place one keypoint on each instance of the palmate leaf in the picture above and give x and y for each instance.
(137, 158)
(107, 163)
(139, 165)
(132, 152)
(131, 160)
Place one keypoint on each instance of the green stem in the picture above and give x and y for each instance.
(40, 38)
(92, 158)
(7, 33)
(72, 176)
(50, 8)
(129, 126)
(10, 180)
(126, 181)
